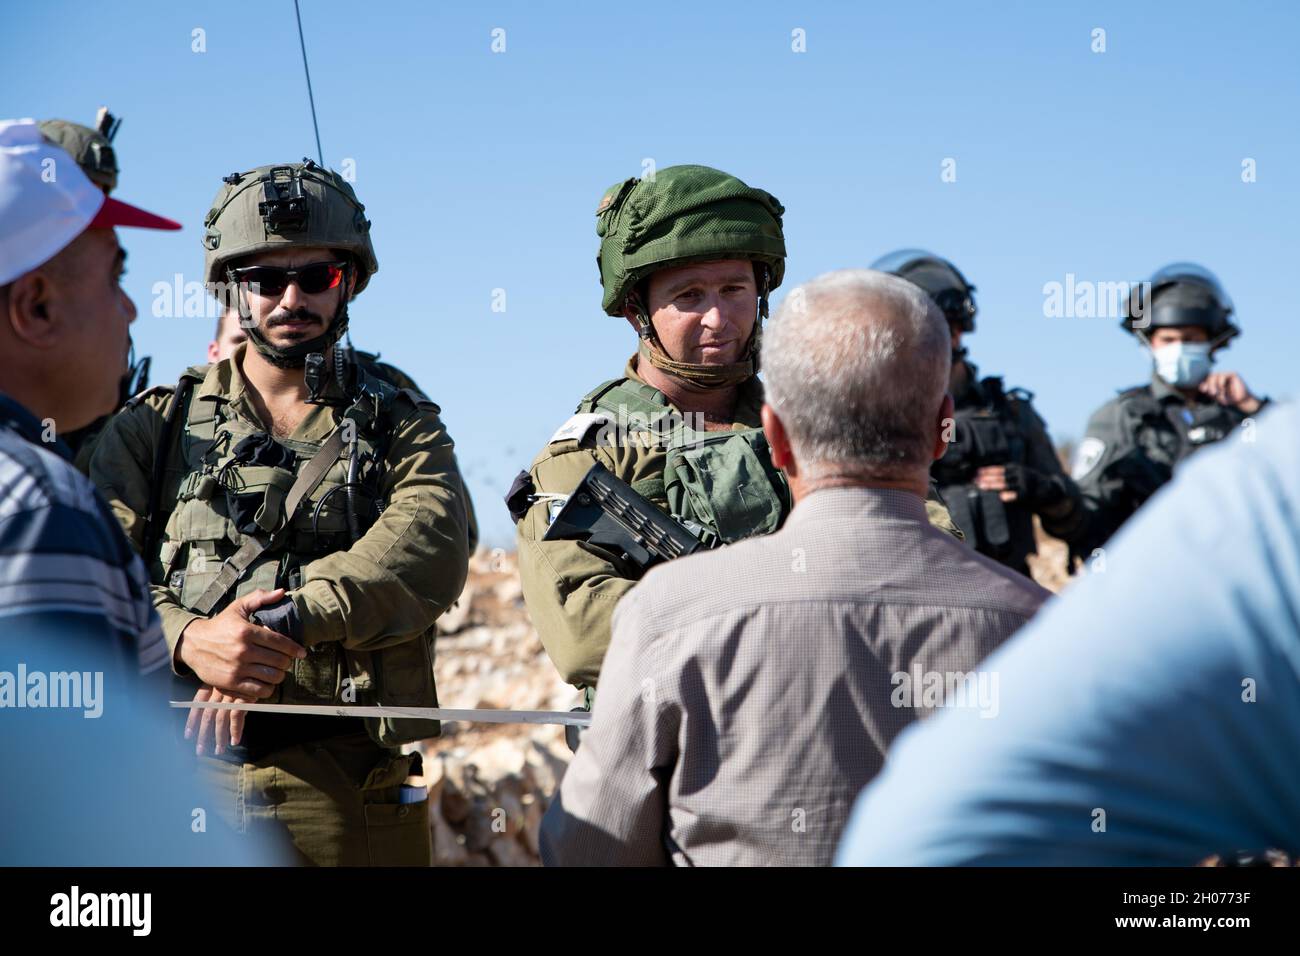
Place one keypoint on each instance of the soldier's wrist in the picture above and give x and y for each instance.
(179, 664)
(312, 625)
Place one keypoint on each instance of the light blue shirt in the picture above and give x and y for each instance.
(1149, 716)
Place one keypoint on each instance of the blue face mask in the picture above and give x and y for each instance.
(1183, 364)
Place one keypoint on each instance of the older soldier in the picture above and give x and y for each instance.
(688, 259)
(94, 153)
(1136, 440)
(1001, 468)
(304, 525)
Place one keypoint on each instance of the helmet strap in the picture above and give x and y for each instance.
(704, 377)
(295, 356)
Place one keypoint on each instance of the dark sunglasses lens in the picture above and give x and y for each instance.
(265, 281)
(319, 277)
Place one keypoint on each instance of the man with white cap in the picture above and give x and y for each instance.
(64, 323)
(76, 620)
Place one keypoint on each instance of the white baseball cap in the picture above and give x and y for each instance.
(46, 201)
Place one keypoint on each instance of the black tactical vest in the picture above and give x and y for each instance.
(987, 431)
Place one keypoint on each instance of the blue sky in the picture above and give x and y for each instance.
(482, 170)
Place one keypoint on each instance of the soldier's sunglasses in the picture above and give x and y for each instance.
(312, 279)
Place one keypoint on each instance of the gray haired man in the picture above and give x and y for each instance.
(749, 693)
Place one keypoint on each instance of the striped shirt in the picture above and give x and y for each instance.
(64, 561)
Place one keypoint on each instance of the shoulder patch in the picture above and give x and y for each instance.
(578, 427)
(1086, 457)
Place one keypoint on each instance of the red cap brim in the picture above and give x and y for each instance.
(116, 213)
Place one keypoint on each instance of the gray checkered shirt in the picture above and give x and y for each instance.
(750, 693)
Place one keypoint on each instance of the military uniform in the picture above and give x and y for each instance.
(359, 513)
(721, 484)
(1135, 442)
(395, 376)
(366, 610)
(83, 441)
(995, 426)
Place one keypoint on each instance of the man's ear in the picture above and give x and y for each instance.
(945, 426)
(29, 308)
(778, 441)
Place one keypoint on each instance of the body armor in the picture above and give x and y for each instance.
(236, 482)
(987, 432)
(721, 485)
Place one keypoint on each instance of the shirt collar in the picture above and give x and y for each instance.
(858, 502)
(29, 427)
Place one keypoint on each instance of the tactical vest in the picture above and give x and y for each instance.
(1164, 434)
(721, 485)
(236, 480)
(986, 433)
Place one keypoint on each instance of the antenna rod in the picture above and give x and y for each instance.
(320, 154)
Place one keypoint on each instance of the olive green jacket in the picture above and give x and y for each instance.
(571, 587)
(386, 589)
(83, 441)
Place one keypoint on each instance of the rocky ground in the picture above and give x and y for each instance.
(489, 784)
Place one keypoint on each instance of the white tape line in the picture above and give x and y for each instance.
(574, 719)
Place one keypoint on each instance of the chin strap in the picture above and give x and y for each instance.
(701, 376)
(295, 356)
(706, 377)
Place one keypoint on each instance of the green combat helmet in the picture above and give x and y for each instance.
(277, 207)
(687, 214)
(91, 148)
(93, 151)
(1180, 294)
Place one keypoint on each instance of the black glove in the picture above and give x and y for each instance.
(281, 617)
(1033, 487)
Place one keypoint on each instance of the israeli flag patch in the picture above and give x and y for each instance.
(578, 427)
(554, 507)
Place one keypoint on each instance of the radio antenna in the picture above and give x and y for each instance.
(310, 98)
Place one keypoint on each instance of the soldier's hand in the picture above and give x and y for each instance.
(994, 478)
(1017, 482)
(233, 654)
(215, 727)
(1227, 388)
